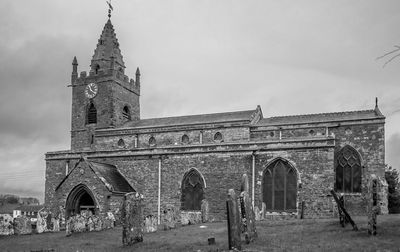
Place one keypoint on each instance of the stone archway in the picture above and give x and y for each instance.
(80, 198)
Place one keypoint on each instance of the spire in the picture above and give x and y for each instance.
(137, 76)
(74, 74)
(377, 110)
(107, 47)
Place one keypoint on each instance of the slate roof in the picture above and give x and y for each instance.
(108, 174)
(323, 117)
(112, 176)
(193, 119)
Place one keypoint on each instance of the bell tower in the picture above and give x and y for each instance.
(104, 98)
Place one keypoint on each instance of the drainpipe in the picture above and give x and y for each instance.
(159, 193)
(253, 178)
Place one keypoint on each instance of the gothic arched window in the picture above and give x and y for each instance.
(126, 113)
(91, 114)
(348, 170)
(192, 191)
(280, 186)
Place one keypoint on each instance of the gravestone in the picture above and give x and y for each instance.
(6, 224)
(41, 223)
(22, 225)
(132, 219)
(150, 224)
(257, 213)
(171, 216)
(247, 213)
(373, 207)
(233, 221)
(204, 210)
(56, 224)
(263, 211)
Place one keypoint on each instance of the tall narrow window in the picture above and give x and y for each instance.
(218, 137)
(185, 139)
(280, 187)
(152, 141)
(348, 170)
(126, 113)
(192, 191)
(92, 114)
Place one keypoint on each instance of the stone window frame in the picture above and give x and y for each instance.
(91, 113)
(187, 175)
(121, 143)
(126, 113)
(218, 137)
(185, 139)
(152, 141)
(354, 189)
(291, 168)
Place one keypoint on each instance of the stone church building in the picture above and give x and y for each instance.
(292, 162)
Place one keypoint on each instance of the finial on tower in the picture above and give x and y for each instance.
(376, 102)
(110, 8)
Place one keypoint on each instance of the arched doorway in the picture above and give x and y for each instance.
(280, 186)
(80, 198)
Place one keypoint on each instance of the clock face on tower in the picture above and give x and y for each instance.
(91, 90)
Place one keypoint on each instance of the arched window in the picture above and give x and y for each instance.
(126, 113)
(218, 137)
(96, 69)
(92, 114)
(121, 143)
(348, 170)
(185, 139)
(192, 191)
(280, 187)
(152, 141)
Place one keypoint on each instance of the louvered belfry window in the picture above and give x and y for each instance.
(126, 113)
(348, 170)
(192, 191)
(92, 114)
(280, 187)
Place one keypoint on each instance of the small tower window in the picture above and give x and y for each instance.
(152, 141)
(92, 114)
(126, 113)
(218, 137)
(312, 132)
(96, 69)
(185, 139)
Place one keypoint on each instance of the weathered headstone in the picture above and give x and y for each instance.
(373, 206)
(233, 221)
(22, 225)
(263, 211)
(257, 213)
(132, 218)
(41, 223)
(150, 224)
(187, 218)
(6, 224)
(247, 213)
(55, 224)
(204, 210)
(171, 216)
(49, 223)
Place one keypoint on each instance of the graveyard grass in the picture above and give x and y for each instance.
(289, 235)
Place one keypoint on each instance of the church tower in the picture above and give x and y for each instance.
(104, 98)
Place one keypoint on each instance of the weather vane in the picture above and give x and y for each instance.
(110, 8)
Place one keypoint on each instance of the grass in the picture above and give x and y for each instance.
(290, 235)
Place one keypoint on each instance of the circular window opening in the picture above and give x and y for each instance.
(152, 141)
(185, 139)
(121, 143)
(312, 132)
(271, 134)
(218, 137)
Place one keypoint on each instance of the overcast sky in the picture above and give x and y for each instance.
(195, 56)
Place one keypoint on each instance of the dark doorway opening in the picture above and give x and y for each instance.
(80, 198)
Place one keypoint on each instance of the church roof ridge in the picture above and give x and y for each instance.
(243, 115)
(323, 117)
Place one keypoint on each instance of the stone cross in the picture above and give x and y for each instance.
(233, 221)
(132, 219)
(247, 212)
